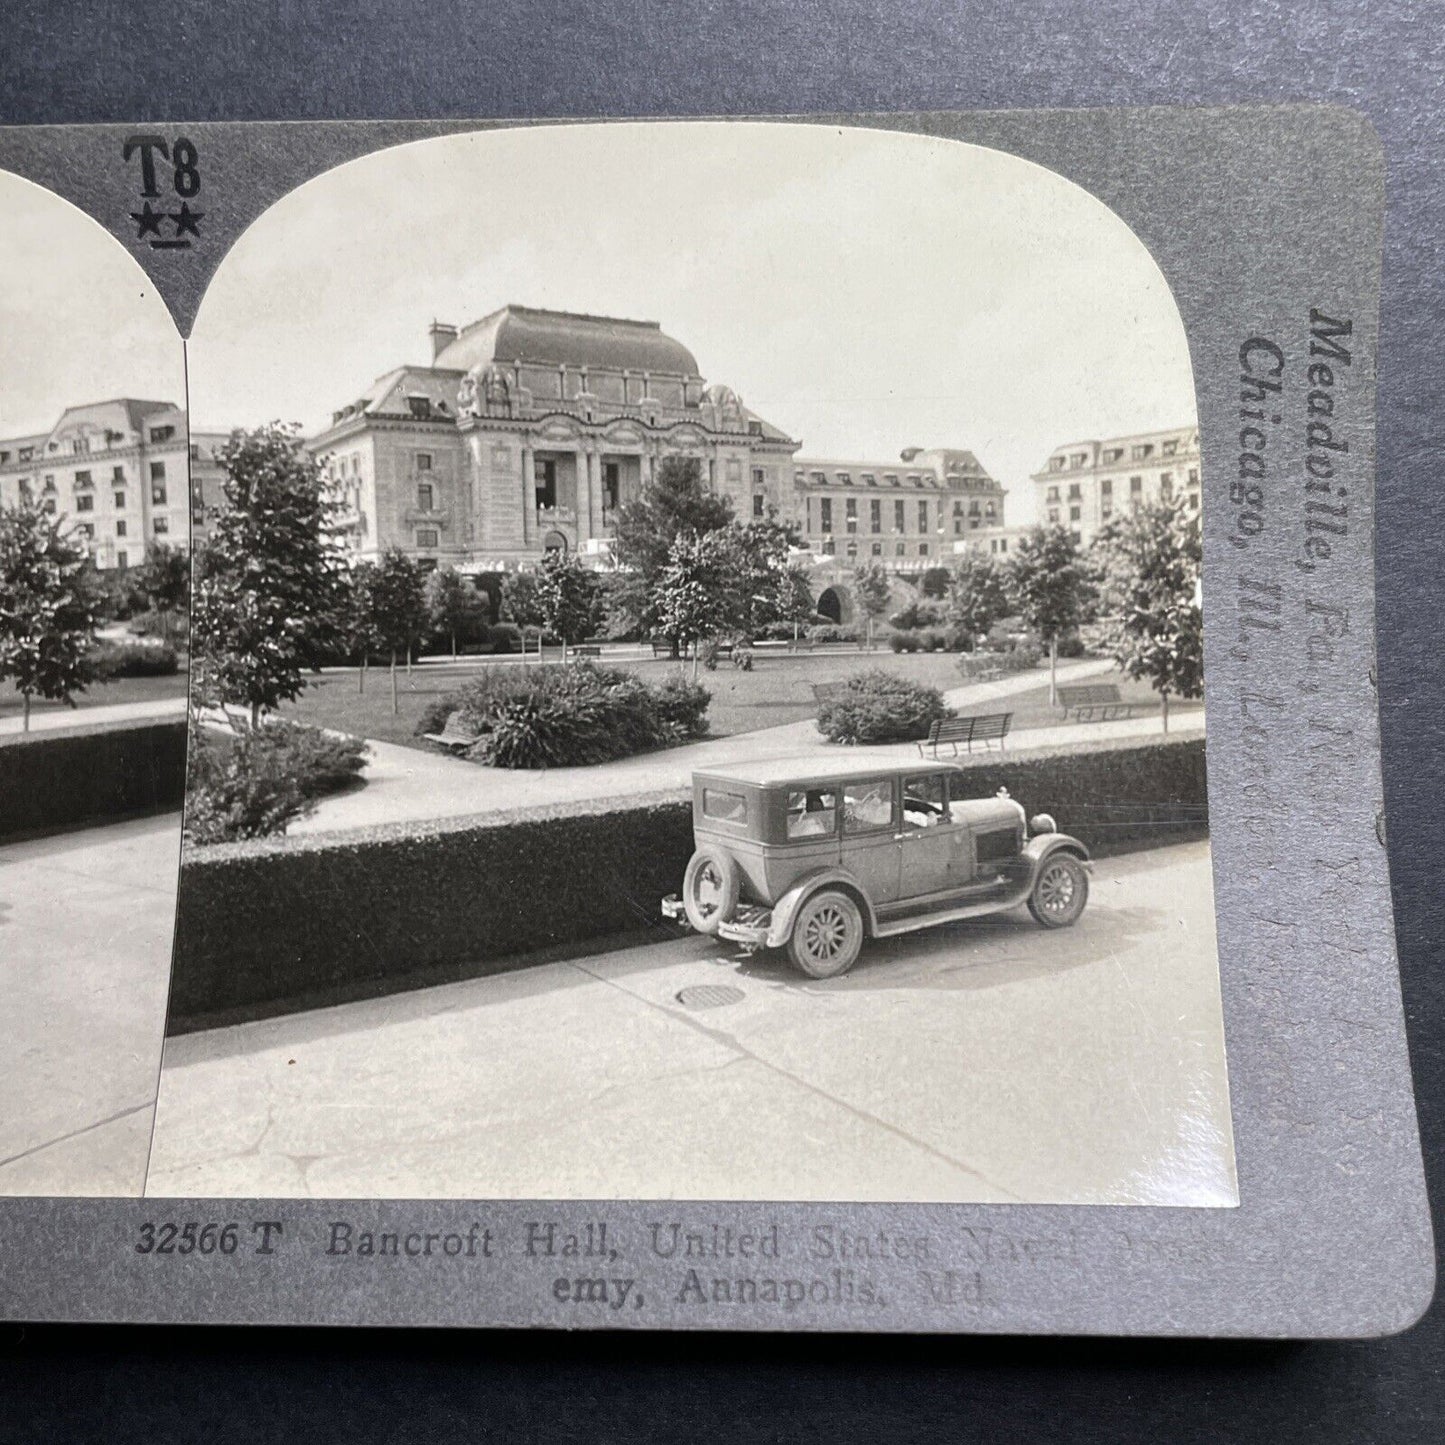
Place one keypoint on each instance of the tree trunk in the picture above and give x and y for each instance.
(1164, 712)
(26, 696)
(1053, 672)
(454, 646)
(361, 675)
(564, 651)
(408, 659)
(255, 717)
(395, 707)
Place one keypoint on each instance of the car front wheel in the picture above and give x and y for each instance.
(1060, 891)
(827, 935)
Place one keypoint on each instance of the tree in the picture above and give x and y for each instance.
(453, 604)
(977, 594)
(397, 594)
(763, 586)
(569, 599)
(47, 613)
(357, 625)
(165, 579)
(521, 603)
(268, 582)
(677, 503)
(1152, 560)
(935, 583)
(1052, 587)
(694, 595)
(871, 589)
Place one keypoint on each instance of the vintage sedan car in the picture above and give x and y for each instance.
(819, 855)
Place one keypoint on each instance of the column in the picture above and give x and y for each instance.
(584, 495)
(529, 498)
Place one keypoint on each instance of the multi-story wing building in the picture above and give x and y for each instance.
(908, 513)
(1084, 484)
(127, 472)
(529, 430)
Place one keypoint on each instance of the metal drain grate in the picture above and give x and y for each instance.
(710, 995)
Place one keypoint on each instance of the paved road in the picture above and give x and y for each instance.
(410, 785)
(79, 718)
(85, 946)
(976, 1062)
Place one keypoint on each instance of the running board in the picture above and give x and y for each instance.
(999, 903)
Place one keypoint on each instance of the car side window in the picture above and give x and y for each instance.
(868, 805)
(925, 801)
(812, 812)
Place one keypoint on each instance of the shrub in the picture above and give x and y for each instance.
(253, 784)
(506, 637)
(1071, 646)
(110, 770)
(881, 707)
(129, 658)
(916, 615)
(538, 717)
(1023, 658)
(743, 657)
(905, 642)
(932, 640)
(831, 632)
(168, 626)
(778, 632)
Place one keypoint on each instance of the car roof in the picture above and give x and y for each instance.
(773, 772)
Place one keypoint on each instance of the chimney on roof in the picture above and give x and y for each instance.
(442, 336)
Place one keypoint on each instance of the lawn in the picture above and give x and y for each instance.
(778, 690)
(121, 689)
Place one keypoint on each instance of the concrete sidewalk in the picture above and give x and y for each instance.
(86, 920)
(408, 785)
(72, 719)
(988, 1061)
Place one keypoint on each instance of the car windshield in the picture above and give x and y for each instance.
(812, 812)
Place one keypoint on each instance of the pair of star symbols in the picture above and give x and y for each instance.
(148, 222)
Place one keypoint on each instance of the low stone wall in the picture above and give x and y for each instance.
(272, 926)
(51, 781)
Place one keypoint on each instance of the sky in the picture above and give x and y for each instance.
(79, 320)
(863, 290)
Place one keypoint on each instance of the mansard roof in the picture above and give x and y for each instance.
(526, 333)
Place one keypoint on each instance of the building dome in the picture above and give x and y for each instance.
(566, 338)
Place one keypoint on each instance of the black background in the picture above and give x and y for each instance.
(398, 58)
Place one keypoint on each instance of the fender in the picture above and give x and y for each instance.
(785, 910)
(1045, 845)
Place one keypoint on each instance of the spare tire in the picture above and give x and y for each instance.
(710, 889)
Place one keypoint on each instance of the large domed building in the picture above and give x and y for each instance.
(527, 432)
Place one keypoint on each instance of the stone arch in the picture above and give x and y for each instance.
(555, 542)
(836, 604)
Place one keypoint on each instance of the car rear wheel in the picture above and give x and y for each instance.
(710, 889)
(827, 935)
(1060, 891)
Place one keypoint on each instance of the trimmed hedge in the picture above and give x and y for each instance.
(275, 925)
(55, 780)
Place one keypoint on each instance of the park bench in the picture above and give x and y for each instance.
(828, 691)
(1093, 701)
(661, 647)
(455, 734)
(983, 728)
(801, 644)
(587, 649)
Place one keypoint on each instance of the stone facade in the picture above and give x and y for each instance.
(910, 514)
(127, 472)
(526, 434)
(1083, 485)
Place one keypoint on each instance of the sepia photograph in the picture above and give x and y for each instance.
(94, 535)
(696, 686)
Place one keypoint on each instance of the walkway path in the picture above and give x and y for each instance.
(85, 951)
(69, 719)
(408, 785)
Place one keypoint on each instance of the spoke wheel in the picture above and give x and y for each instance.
(1060, 891)
(827, 935)
(710, 889)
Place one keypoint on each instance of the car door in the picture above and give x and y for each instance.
(936, 855)
(870, 836)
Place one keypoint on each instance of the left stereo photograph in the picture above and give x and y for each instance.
(95, 517)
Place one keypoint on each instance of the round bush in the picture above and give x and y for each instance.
(132, 659)
(905, 642)
(881, 707)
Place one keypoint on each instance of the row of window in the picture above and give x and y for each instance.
(1106, 509)
(1138, 451)
(875, 515)
(80, 446)
(868, 479)
(829, 548)
(160, 527)
(1136, 486)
